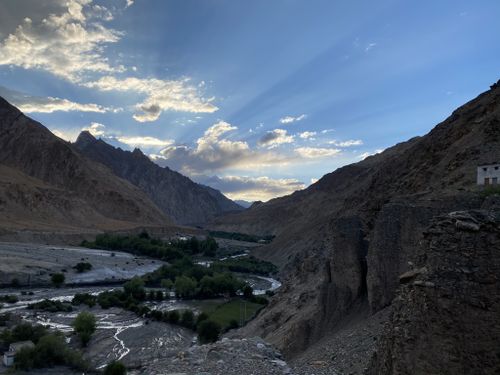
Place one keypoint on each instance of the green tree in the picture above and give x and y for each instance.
(135, 288)
(208, 331)
(247, 292)
(187, 319)
(115, 368)
(185, 286)
(209, 246)
(167, 284)
(58, 279)
(84, 325)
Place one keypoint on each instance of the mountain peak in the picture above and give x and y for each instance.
(85, 138)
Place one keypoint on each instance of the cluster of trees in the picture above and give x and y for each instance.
(130, 298)
(191, 280)
(50, 348)
(245, 265)
(143, 244)
(51, 306)
(242, 236)
(9, 298)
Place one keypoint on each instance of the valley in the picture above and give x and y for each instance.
(134, 339)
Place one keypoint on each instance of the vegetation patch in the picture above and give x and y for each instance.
(237, 310)
(242, 237)
(246, 265)
(51, 306)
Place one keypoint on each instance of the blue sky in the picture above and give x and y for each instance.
(256, 98)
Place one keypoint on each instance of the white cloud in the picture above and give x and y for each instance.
(307, 135)
(275, 138)
(349, 143)
(366, 154)
(161, 95)
(96, 129)
(145, 141)
(67, 135)
(68, 44)
(316, 152)
(31, 104)
(252, 188)
(314, 180)
(214, 152)
(327, 131)
(129, 3)
(370, 46)
(290, 119)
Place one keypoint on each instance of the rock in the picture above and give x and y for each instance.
(410, 275)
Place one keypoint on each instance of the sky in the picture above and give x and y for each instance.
(255, 98)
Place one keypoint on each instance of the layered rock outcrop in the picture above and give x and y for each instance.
(446, 317)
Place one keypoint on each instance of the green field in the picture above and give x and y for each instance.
(237, 309)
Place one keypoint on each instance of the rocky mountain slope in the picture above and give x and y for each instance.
(446, 314)
(176, 195)
(46, 184)
(343, 242)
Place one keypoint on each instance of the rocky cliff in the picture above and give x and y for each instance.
(343, 242)
(446, 316)
(46, 184)
(176, 195)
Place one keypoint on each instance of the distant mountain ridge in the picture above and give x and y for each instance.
(176, 195)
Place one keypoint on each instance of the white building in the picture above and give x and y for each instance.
(10, 356)
(488, 174)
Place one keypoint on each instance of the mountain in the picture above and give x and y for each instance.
(244, 204)
(176, 195)
(46, 184)
(342, 243)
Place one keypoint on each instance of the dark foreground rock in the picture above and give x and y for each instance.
(446, 317)
(226, 357)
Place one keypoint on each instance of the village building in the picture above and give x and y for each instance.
(488, 174)
(10, 355)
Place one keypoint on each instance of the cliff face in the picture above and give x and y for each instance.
(46, 183)
(446, 316)
(343, 242)
(176, 195)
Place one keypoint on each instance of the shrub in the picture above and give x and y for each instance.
(201, 317)
(51, 350)
(84, 325)
(84, 298)
(58, 279)
(233, 324)
(173, 316)
(83, 267)
(9, 298)
(51, 306)
(115, 368)
(247, 292)
(187, 319)
(208, 331)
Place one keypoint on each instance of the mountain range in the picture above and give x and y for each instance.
(50, 185)
(185, 201)
(354, 249)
